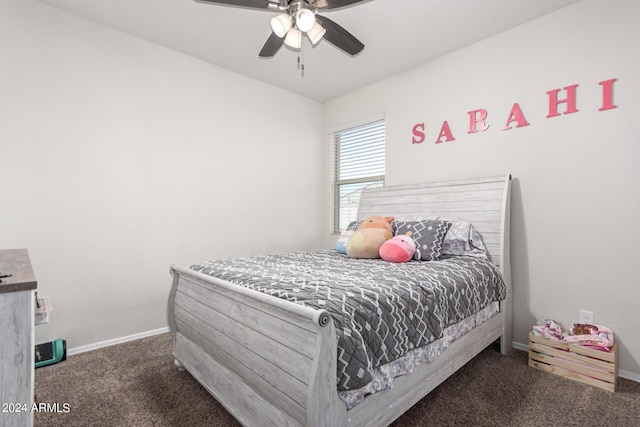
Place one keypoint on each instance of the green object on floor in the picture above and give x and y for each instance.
(50, 352)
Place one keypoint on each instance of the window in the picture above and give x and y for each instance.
(358, 160)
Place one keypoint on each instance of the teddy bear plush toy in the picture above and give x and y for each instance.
(365, 242)
(399, 249)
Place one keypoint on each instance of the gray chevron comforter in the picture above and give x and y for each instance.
(381, 310)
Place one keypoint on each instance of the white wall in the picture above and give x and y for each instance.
(575, 194)
(119, 157)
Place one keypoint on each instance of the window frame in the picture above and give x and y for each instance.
(337, 183)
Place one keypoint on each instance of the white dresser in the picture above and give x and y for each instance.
(17, 302)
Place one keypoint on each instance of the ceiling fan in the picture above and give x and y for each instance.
(300, 17)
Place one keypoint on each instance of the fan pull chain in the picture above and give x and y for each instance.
(301, 61)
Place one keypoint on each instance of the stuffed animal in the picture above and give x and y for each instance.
(398, 249)
(365, 242)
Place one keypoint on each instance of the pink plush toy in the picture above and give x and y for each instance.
(398, 249)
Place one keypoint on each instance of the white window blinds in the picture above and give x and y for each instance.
(358, 160)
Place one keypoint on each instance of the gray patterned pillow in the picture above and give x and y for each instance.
(396, 221)
(428, 234)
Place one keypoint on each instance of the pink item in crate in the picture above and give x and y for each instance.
(549, 329)
(594, 336)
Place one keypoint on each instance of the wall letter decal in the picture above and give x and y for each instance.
(570, 100)
(515, 116)
(607, 95)
(418, 134)
(477, 117)
(445, 132)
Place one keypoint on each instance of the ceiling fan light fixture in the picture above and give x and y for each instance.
(316, 33)
(293, 39)
(281, 24)
(305, 20)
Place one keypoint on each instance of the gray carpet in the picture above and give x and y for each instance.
(136, 384)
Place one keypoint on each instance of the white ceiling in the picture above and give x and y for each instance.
(398, 35)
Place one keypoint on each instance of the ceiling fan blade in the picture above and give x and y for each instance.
(273, 44)
(252, 4)
(339, 37)
(335, 4)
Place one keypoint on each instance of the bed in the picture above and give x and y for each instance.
(272, 361)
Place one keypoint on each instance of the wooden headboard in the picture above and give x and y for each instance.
(485, 202)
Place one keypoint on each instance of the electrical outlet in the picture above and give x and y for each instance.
(587, 317)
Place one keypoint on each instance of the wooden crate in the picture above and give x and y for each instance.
(584, 364)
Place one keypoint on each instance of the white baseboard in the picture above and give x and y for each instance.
(621, 372)
(520, 346)
(629, 375)
(114, 341)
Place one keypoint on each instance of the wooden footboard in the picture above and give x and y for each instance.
(267, 360)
